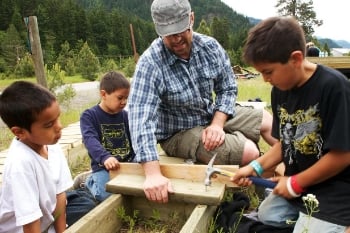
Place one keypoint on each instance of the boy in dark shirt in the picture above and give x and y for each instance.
(310, 104)
(105, 131)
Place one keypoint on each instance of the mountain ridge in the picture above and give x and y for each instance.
(332, 43)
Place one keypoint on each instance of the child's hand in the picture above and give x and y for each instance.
(111, 163)
(281, 187)
(241, 177)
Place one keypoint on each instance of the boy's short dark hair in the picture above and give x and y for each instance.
(22, 101)
(273, 40)
(112, 81)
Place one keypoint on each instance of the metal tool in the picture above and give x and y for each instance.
(214, 170)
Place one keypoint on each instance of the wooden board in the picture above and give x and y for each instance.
(184, 190)
(200, 219)
(334, 62)
(102, 218)
(191, 172)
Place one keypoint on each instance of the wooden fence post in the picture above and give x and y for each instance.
(136, 55)
(36, 51)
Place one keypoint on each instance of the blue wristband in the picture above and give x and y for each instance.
(257, 167)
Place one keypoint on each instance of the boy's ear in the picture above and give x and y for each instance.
(297, 56)
(103, 93)
(18, 132)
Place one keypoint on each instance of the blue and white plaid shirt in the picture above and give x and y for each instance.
(169, 94)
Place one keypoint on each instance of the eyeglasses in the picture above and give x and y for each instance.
(180, 34)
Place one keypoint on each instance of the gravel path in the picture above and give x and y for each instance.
(86, 93)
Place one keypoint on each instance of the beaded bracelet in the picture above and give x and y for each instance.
(295, 186)
(257, 167)
(290, 189)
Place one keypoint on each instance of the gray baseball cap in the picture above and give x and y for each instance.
(171, 16)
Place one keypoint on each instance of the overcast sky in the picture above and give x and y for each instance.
(334, 14)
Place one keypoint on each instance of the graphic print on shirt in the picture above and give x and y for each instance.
(300, 132)
(114, 139)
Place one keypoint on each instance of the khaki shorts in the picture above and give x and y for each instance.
(245, 125)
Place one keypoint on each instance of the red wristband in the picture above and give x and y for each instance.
(295, 186)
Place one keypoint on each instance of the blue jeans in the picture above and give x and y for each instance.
(96, 184)
(79, 202)
(275, 210)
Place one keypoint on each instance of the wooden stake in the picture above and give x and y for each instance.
(37, 54)
(136, 55)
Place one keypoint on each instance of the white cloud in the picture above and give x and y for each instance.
(333, 13)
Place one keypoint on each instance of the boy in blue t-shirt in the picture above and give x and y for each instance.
(105, 131)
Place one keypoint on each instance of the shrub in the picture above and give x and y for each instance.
(25, 67)
(87, 63)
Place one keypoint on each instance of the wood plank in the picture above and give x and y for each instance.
(334, 62)
(191, 172)
(102, 218)
(72, 141)
(200, 219)
(184, 190)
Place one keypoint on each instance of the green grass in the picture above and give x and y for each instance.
(73, 115)
(6, 82)
(134, 223)
(68, 80)
(253, 88)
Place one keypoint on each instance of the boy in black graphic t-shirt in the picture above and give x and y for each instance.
(311, 112)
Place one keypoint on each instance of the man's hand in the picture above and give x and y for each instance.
(213, 136)
(156, 186)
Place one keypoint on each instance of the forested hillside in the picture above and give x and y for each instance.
(104, 26)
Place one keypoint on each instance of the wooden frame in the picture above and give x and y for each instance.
(104, 219)
(197, 216)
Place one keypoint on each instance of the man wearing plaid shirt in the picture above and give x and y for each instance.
(172, 102)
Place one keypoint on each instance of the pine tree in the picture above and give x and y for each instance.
(303, 11)
(12, 48)
(66, 55)
(203, 28)
(6, 12)
(87, 63)
(219, 29)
